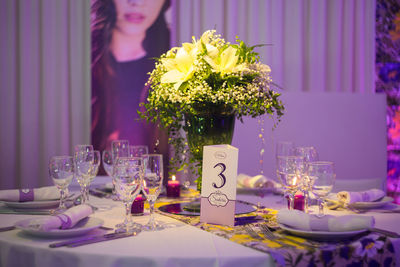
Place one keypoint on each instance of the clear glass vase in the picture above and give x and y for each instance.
(211, 125)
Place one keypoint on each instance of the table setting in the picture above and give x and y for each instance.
(141, 215)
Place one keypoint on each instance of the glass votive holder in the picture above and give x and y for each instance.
(298, 202)
(138, 205)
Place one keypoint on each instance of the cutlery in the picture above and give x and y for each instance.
(273, 236)
(26, 211)
(251, 232)
(90, 239)
(385, 232)
(7, 228)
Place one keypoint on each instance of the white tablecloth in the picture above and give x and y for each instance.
(179, 245)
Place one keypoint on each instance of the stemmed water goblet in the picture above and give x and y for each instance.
(284, 148)
(138, 151)
(61, 170)
(289, 172)
(119, 148)
(128, 175)
(84, 165)
(107, 160)
(152, 185)
(322, 175)
(83, 148)
(310, 154)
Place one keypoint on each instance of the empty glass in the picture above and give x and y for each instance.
(322, 176)
(119, 148)
(83, 148)
(128, 174)
(138, 151)
(289, 171)
(61, 170)
(84, 165)
(310, 154)
(107, 162)
(284, 148)
(152, 185)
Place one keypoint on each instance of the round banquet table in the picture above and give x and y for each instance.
(178, 245)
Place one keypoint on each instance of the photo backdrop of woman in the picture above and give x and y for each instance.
(126, 37)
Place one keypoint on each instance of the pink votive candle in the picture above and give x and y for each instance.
(138, 205)
(173, 188)
(298, 202)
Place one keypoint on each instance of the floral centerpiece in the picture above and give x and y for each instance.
(207, 76)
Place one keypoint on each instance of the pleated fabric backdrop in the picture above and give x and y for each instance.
(315, 46)
(44, 86)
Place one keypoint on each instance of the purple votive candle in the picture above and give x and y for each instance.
(138, 205)
(298, 202)
(173, 188)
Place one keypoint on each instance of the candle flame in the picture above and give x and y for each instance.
(173, 178)
(295, 180)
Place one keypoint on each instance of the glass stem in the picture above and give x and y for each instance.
(128, 206)
(83, 196)
(291, 201)
(151, 220)
(320, 207)
(62, 199)
(306, 200)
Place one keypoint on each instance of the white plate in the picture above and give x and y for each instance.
(82, 227)
(321, 235)
(33, 204)
(371, 205)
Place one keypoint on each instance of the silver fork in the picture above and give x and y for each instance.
(251, 232)
(272, 236)
(255, 235)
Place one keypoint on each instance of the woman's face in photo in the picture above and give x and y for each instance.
(136, 16)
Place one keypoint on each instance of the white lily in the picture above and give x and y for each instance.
(180, 68)
(226, 62)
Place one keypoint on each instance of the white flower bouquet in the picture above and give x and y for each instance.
(208, 75)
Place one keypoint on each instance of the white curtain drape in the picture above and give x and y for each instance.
(44, 86)
(315, 45)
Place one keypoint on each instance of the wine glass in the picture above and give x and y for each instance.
(310, 154)
(61, 169)
(289, 170)
(284, 148)
(152, 184)
(95, 169)
(128, 175)
(83, 148)
(108, 167)
(322, 176)
(84, 165)
(138, 151)
(119, 148)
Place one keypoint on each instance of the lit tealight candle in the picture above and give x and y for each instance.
(173, 187)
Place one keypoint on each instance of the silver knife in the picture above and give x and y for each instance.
(385, 232)
(90, 239)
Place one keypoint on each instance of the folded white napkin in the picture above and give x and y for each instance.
(66, 220)
(364, 196)
(329, 223)
(258, 181)
(37, 194)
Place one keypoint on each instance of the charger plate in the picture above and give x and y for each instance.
(193, 208)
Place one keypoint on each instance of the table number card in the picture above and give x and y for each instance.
(218, 188)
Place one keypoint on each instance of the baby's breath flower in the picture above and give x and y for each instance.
(236, 80)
